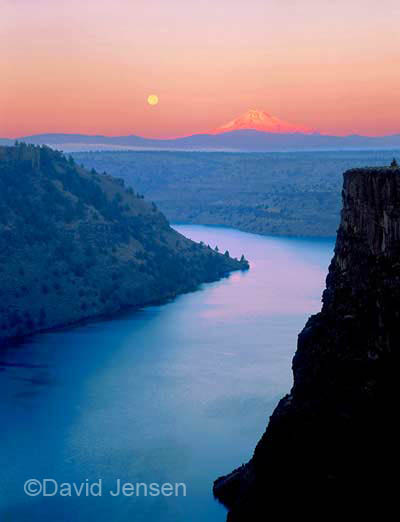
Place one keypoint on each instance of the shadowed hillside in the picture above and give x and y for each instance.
(76, 244)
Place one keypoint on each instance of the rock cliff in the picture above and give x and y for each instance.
(76, 244)
(332, 441)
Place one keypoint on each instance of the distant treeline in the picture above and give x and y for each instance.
(296, 194)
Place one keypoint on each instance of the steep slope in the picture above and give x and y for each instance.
(334, 437)
(262, 121)
(76, 244)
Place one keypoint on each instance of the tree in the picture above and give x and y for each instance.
(394, 164)
(216, 248)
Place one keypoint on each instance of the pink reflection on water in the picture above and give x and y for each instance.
(285, 288)
(284, 279)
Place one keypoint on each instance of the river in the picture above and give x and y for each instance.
(177, 393)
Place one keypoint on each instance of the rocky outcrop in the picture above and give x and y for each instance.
(334, 437)
(76, 244)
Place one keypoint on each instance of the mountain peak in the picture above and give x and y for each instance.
(259, 120)
(257, 115)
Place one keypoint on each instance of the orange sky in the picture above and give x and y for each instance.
(88, 65)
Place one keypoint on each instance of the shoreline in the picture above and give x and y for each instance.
(8, 342)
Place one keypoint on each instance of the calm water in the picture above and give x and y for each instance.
(172, 393)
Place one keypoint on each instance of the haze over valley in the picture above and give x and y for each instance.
(289, 194)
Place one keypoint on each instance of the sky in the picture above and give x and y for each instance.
(88, 66)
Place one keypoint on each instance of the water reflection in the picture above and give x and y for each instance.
(179, 392)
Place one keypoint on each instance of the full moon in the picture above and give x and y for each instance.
(152, 99)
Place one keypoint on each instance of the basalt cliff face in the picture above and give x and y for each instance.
(334, 437)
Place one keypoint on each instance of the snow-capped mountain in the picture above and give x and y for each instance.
(262, 121)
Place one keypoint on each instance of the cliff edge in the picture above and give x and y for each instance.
(332, 440)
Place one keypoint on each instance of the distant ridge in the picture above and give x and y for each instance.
(247, 140)
(254, 131)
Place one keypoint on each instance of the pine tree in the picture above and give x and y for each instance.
(394, 164)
